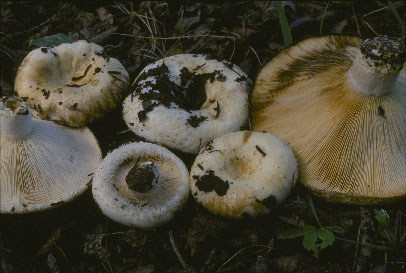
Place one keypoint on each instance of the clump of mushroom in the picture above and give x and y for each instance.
(243, 173)
(72, 83)
(340, 103)
(141, 185)
(186, 100)
(42, 164)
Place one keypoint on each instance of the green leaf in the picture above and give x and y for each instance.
(326, 236)
(310, 238)
(287, 36)
(52, 40)
(291, 233)
(382, 217)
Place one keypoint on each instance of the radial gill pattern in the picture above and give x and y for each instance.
(47, 168)
(350, 147)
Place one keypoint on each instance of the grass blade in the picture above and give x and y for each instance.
(287, 36)
(322, 18)
(401, 22)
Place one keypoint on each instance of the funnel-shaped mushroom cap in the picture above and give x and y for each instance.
(340, 103)
(243, 173)
(42, 164)
(141, 185)
(72, 84)
(184, 101)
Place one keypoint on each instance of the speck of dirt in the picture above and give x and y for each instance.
(269, 202)
(141, 178)
(195, 121)
(189, 95)
(381, 111)
(210, 182)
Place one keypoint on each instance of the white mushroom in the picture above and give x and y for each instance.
(340, 103)
(186, 100)
(72, 83)
(42, 164)
(243, 173)
(141, 185)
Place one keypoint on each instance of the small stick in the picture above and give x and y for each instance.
(212, 252)
(178, 255)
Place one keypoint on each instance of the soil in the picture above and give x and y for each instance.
(77, 237)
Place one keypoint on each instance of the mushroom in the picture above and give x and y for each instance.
(242, 173)
(42, 164)
(186, 100)
(340, 103)
(141, 185)
(72, 83)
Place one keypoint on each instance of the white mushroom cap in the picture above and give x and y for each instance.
(243, 173)
(72, 83)
(141, 185)
(42, 164)
(340, 103)
(186, 100)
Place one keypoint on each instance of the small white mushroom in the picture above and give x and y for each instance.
(243, 173)
(186, 100)
(72, 83)
(141, 185)
(42, 164)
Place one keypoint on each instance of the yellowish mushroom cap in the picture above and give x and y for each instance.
(141, 185)
(42, 164)
(243, 173)
(340, 103)
(72, 83)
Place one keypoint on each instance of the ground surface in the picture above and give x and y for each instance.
(78, 238)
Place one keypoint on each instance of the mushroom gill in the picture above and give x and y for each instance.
(340, 103)
(42, 164)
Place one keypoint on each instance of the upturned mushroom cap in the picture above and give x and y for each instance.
(72, 83)
(340, 103)
(141, 185)
(42, 164)
(186, 100)
(243, 173)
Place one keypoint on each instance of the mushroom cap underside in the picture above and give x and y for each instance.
(243, 173)
(158, 205)
(51, 166)
(350, 147)
(72, 83)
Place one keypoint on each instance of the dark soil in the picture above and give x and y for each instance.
(77, 237)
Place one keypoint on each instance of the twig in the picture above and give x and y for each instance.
(362, 244)
(178, 255)
(239, 252)
(356, 20)
(175, 37)
(253, 50)
(211, 255)
(365, 230)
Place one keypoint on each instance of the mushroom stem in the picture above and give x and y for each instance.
(142, 177)
(377, 66)
(15, 118)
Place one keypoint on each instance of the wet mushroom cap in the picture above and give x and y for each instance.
(186, 100)
(340, 103)
(141, 185)
(42, 164)
(72, 83)
(243, 173)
